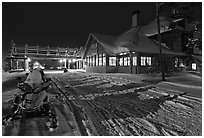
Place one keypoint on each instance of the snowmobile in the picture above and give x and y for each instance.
(32, 103)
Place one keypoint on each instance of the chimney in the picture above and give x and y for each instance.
(135, 18)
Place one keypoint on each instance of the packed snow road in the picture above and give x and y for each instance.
(111, 106)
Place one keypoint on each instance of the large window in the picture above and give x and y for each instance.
(149, 61)
(121, 61)
(96, 60)
(134, 61)
(143, 61)
(100, 60)
(146, 61)
(126, 61)
(104, 60)
(112, 61)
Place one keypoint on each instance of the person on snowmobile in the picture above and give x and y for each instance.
(34, 78)
(35, 100)
(35, 86)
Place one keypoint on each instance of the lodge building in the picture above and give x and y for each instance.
(130, 52)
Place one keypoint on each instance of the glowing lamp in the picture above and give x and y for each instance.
(28, 59)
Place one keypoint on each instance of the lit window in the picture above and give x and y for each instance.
(88, 60)
(149, 61)
(96, 60)
(100, 60)
(176, 62)
(125, 61)
(134, 61)
(104, 60)
(128, 61)
(143, 61)
(112, 61)
(121, 62)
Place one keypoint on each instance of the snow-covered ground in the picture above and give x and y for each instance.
(116, 104)
(113, 106)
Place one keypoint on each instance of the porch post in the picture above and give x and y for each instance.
(138, 62)
(117, 60)
(102, 59)
(24, 65)
(130, 62)
(107, 60)
(98, 58)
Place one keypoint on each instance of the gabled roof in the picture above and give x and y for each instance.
(136, 40)
(132, 40)
(107, 41)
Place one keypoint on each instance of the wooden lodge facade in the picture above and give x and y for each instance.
(109, 54)
(131, 52)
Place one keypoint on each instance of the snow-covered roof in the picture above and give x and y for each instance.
(136, 40)
(132, 40)
(152, 29)
(108, 42)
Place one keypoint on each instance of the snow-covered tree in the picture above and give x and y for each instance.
(187, 11)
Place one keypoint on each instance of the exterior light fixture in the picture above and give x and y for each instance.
(64, 60)
(74, 60)
(60, 60)
(28, 59)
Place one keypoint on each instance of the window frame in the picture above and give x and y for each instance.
(143, 61)
(134, 61)
(148, 61)
(112, 61)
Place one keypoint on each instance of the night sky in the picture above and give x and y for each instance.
(67, 24)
